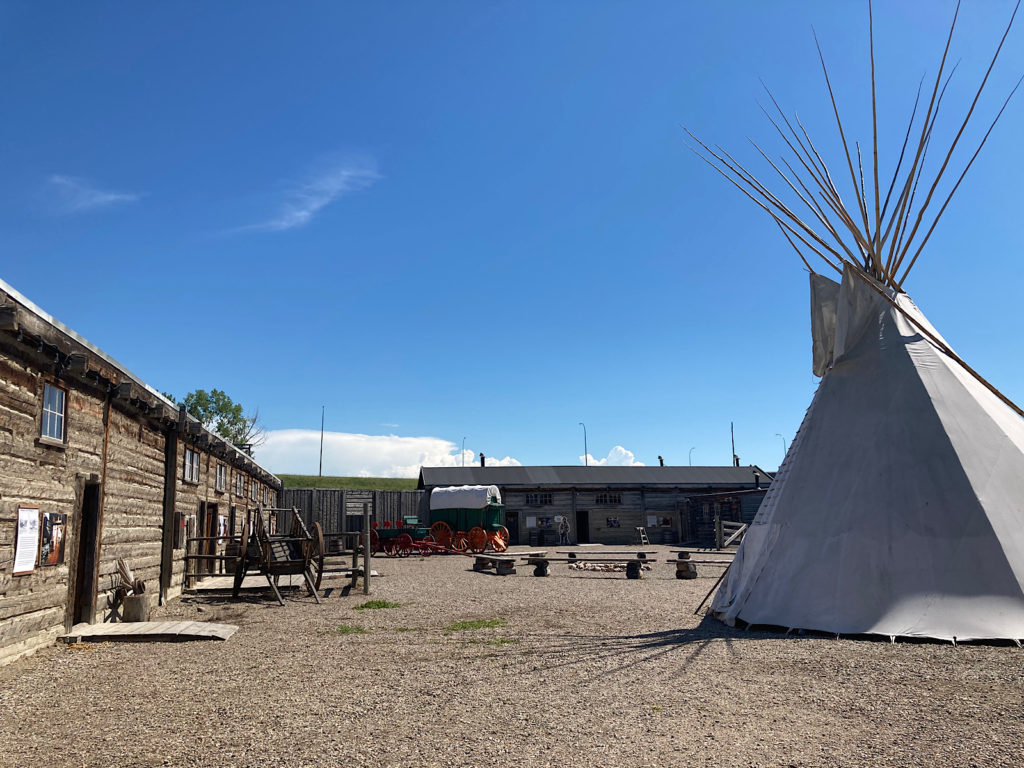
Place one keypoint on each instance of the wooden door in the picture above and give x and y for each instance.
(582, 526)
(83, 607)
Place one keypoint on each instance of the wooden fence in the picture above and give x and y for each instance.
(341, 509)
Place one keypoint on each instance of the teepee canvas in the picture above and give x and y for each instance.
(899, 508)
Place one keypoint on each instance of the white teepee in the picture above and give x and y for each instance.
(899, 509)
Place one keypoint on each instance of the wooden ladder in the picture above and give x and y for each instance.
(641, 535)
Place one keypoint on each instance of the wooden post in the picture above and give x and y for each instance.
(718, 532)
(170, 517)
(366, 549)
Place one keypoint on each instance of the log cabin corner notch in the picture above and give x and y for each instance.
(91, 470)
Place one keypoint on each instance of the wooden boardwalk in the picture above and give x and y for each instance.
(148, 631)
(257, 582)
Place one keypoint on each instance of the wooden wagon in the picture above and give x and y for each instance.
(468, 517)
(273, 554)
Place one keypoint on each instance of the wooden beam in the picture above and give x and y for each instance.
(8, 317)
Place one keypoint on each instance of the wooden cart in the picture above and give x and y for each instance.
(273, 554)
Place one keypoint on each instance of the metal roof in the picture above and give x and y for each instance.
(698, 477)
(49, 319)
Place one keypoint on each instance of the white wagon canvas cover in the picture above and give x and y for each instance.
(464, 497)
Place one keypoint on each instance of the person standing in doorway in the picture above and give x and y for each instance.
(563, 531)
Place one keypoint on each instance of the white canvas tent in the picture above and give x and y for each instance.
(899, 509)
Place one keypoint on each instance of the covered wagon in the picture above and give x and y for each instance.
(468, 517)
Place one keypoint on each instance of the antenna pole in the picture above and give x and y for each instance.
(323, 410)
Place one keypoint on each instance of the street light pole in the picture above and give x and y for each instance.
(586, 454)
(323, 410)
(785, 449)
(691, 454)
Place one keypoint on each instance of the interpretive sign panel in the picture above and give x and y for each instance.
(26, 546)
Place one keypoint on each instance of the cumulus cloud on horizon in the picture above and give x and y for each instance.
(297, 451)
(617, 457)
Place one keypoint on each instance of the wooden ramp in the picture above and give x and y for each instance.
(257, 582)
(148, 631)
(249, 583)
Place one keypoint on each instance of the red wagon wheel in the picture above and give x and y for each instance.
(461, 542)
(403, 545)
(477, 540)
(499, 539)
(426, 550)
(442, 533)
(374, 541)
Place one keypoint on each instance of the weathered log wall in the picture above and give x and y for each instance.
(191, 498)
(33, 606)
(119, 440)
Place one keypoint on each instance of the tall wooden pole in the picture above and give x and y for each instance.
(366, 549)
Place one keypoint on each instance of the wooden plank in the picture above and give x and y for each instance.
(150, 631)
(612, 561)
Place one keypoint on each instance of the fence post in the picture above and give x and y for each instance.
(366, 549)
(718, 532)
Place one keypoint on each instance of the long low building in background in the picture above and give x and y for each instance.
(96, 465)
(605, 505)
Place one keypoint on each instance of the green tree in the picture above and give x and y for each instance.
(223, 416)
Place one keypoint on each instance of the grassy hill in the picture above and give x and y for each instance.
(370, 483)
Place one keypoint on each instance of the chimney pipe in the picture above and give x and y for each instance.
(757, 480)
(661, 462)
(483, 460)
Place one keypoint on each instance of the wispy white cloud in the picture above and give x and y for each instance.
(335, 179)
(296, 451)
(72, 194)
(617, 457)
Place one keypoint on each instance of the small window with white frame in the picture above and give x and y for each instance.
(239, 485)
(222, 478)
(54, 412)
(191, 466)
(253, 490)
(538, 499)
(609, 497)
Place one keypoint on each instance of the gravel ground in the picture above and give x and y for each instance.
(582, 669)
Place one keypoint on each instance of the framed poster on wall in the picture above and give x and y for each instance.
(26, 544)
(51, 538)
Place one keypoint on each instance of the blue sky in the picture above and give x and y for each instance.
(472, 219)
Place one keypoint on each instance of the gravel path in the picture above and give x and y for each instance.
(578, 669)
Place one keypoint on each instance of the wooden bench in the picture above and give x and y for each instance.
(541, 565)
(503, 565)
(686, 566)
(603, 554)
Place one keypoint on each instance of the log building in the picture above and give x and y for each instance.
(605, 505)
(96, 465)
